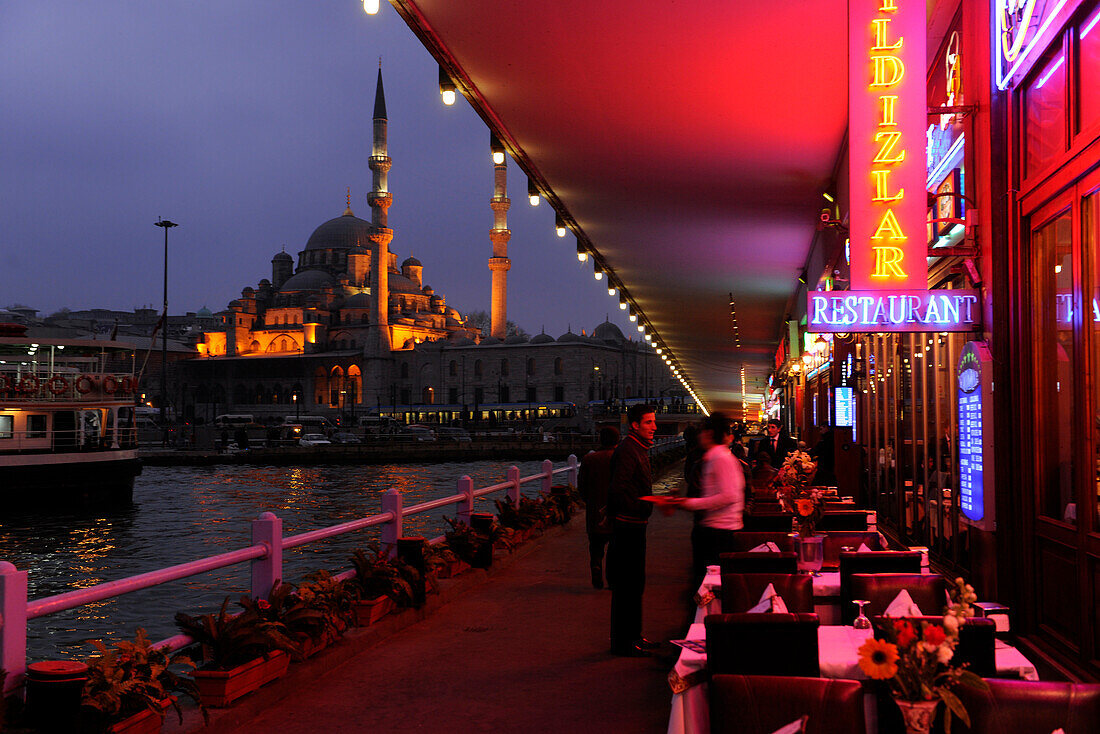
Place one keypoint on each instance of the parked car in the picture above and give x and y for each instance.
(346, 438)
(447, 433)
(417, 433)
(314, 439)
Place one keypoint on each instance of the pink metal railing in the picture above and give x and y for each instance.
(265, 555)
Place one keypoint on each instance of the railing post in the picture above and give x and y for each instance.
(268, 570)
(13, 625)
(572, 461)
(465, 505)
(392, 501)
(513, 491)
(547, 475)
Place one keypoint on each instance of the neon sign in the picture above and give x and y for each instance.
(975, 446)
(1020, 25)
(875, 311)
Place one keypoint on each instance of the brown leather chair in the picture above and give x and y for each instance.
(976, 646)
(760, 704)
(758, 562)
(741, 591)
(873, 562)
(1011, 706)
(929, 591)
(762, 644)
(843, 520)
(835, 540)
(746, 540)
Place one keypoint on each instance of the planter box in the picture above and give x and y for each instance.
(370, 611)
(143, 722)
(222, 687)
(452, 569)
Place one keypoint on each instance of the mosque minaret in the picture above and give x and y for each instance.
(499, 262)
(380, 199)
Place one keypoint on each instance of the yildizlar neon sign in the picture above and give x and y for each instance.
(875, 311)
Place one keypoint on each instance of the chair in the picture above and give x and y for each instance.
(742, 591)
(843, 520)
(746, 540)
(976, 646)
(929, 591)
(1011, 706)
(758, 562)
(872, 562)
(837, 539)
(758, 704)
(769, 521)
(762, 644)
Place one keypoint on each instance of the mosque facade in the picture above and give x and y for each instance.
(343, 331)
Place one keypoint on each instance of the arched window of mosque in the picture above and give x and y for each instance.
(254, 346)
(283, 344)
(404, 369)
(452, 370)
(531, 366)
(558, 366)
(477, 368)
(504, 367)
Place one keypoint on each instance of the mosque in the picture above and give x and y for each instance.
(344, 332)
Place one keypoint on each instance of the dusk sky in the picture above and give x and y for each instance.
(245, 122)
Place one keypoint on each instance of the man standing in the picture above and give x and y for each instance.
(593, 483)
(631, 478)
(774, 446)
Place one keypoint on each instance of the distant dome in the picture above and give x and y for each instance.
(359, 300)
(204, 312)
(608, 332)
(543, 338)
(340, 233)
(428, 290)
(400, 284)
(489, 340)
(307, 280)
(412, 261)
(437, 298)
(516, 339)
(282, 257)
(569, 336)
(453, 313)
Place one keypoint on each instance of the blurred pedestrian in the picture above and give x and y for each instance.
(593, 483)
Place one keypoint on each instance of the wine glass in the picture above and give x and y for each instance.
(861, 622)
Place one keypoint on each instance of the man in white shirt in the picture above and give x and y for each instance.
(722, 499)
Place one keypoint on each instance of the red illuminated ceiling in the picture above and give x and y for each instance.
(690, 141)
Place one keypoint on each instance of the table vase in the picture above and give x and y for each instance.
(918, 715)
(811, 553)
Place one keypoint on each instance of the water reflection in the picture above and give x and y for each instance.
(181, 514)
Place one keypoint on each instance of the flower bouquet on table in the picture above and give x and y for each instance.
(792, 486)
(914, 659)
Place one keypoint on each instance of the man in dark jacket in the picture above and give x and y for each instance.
(774, 446)
(631, 479)
(593, 484)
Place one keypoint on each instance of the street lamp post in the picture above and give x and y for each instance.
(165, 225)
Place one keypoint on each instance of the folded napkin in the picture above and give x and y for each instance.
(770, 601)
(863, 548)
(768, 547)
(903, 606)
(795, 727)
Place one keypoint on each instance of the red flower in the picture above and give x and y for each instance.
(934, 635)
(263, 604)
(906, 633)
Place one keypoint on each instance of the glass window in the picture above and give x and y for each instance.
(1088, 67)
(7, 426)
(36, 426)
(1045, 110)
(1090, 223)
(1052, 331)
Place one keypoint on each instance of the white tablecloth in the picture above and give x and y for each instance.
(826, 593)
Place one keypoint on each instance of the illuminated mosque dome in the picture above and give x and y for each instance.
(341, 233)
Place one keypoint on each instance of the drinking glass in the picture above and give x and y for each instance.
(861, 622)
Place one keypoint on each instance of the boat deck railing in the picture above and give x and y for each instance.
(265, 555)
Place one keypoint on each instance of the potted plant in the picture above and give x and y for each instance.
(333, 598)
(382, 584)
(915, 662)
(240, 652)
(131, 686)
(300, 621)
(475, 546)
(442, 561)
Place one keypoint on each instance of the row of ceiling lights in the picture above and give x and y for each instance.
(449, 93)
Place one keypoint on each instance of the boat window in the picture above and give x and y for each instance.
(36, 426)
(7, 426)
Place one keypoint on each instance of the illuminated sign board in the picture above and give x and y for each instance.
(1020, 25)
(887, 109)
(975, 438)
(845, 404)
(875, 311)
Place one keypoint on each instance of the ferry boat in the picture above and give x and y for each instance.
(66, 421)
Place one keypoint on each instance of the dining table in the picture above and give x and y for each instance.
(826, 585)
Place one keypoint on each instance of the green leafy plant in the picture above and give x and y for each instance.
(378, 575)
(289, 613)
(438, 556)
(332, 597)
(228, 640)
(132, 677)
(465, 541)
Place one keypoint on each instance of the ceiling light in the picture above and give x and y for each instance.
(497, 149)
(446, 87)
(582, 253)
(658, 350)
(532, 192)
(612, 290)
(559, 225)
(597, 270)
(371, 6)
(641, 328)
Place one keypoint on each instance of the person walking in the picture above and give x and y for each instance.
(631, 479)
(721, 502)
(593, 484)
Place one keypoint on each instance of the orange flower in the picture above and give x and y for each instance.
(934, 635)
(805, 507)
(878, 659)
(906, 633)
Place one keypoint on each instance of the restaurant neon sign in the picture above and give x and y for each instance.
(875, 311)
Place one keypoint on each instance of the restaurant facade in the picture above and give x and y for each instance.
(967, 413)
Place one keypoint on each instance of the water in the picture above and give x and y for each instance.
(181, 514)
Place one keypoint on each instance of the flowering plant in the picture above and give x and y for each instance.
(914, 656)
(792, 486)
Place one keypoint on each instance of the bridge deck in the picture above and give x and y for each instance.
(527, 651)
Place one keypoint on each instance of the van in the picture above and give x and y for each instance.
(376, 424)
(234, 420)
(312, 423)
